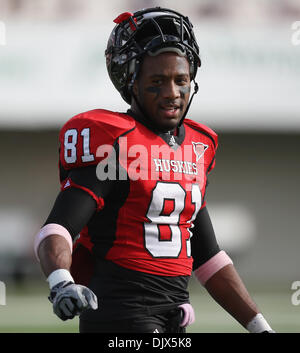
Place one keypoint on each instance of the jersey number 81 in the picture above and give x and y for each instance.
(153, 241)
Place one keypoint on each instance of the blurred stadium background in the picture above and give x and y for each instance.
(52, 67)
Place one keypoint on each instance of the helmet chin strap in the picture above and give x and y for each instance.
(196, 89)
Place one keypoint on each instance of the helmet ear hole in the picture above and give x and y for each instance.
(132, 84)
(132, 79)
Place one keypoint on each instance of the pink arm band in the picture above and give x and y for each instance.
(210, 267)
(51, 229)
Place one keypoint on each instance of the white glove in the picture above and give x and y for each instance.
(70, 299)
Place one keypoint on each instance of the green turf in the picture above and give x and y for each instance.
(28, 310)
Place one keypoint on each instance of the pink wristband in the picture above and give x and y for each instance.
(51, 229)
(188, 314)
(213, 265)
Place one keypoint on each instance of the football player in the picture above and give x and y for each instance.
(133, 187)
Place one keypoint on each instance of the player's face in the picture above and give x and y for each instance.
(163, 88)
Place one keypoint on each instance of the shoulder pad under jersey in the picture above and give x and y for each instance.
(81, 136)
(203, 129)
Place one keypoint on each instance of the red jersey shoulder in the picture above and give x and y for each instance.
(204, 130)
(81, 136)
(112, 123)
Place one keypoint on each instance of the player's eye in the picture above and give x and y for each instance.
(181, 81)
(157, 82)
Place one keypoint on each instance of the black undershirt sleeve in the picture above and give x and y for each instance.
(87, 177)
(74, 207)
(203, 242)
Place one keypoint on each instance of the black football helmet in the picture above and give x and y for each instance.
(151, 31)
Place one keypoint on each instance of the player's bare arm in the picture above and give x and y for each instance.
(227, 288)
(53, 247)
(54, 253)
(216, 272)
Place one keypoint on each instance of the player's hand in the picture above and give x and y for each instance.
(70, 299)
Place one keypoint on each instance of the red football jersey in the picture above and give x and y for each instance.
(166, 176)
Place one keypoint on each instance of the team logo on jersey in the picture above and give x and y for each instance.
(172, 141)
(67, 184)
(199, 149)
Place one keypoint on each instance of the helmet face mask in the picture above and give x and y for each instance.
(149, 31)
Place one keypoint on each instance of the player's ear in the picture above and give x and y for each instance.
(135, 88)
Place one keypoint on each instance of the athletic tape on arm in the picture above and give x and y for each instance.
(51, 229)
(213, 265)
